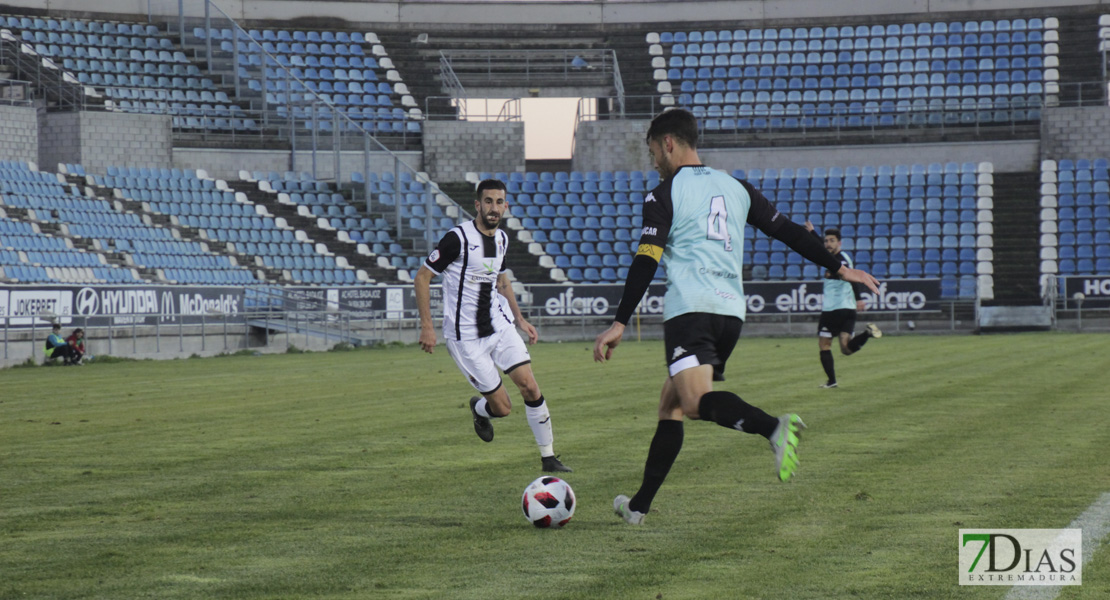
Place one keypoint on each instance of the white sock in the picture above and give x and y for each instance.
(540, 422)
(482, 407)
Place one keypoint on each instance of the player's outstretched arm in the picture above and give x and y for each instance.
(422, 288)
(607, 341)
(639, 278)
(858, 276)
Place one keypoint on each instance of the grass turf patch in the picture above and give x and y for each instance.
(357, 474)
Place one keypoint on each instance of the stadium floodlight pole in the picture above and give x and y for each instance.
(397, 192)
(292, 124)
(265, 95)
(366, 170)
(208, 33)
(428, 205)
(336, 143)
(235, 60)
(315, 136)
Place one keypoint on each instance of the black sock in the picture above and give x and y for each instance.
(664, 449)
(827, 362)
(857, 342)
(729, 410)
(538, 403)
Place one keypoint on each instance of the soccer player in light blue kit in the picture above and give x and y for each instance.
(695, 220)
(840, 302)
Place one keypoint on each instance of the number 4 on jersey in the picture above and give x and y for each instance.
(717, 225)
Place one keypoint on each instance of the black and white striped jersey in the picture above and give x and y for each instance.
(470, 263)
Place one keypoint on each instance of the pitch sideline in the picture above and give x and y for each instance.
(1095, 523)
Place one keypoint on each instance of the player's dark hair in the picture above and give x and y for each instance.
(833, 231)
(677, 123)
(489, 184)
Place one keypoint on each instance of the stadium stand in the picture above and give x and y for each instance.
(135, 67)
(316, 202)
(920, 220)
(940, 73)
(116, 245)
(361, 84)
(226, 217)
(901, 221)
(1075, 216)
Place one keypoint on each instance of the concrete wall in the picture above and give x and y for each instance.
(226, 164)
(451, 148)
(611, 146)
(98, 140)
(1075, 132)
(619, 145)
(554, 13)
(1006, 156)
(59, 139)
(19, 133)
(166, 343)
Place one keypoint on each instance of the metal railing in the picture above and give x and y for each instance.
(474, 109)
(533, 67)
(47, 79)
(14, 92)
(1077, 93)
(451, 85)
(298, 114)
(794, 119)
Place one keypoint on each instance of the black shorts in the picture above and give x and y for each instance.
(696, 339)
(835, 322)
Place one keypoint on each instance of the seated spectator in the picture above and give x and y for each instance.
(76, 341)
(58, 347)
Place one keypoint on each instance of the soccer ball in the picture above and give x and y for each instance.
(548, 502)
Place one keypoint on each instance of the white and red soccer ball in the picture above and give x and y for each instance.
(548, 502)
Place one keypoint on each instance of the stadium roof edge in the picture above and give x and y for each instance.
(418, 12)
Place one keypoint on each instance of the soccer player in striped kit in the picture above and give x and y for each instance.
(479, 311)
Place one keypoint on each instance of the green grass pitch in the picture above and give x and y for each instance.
(351, 475)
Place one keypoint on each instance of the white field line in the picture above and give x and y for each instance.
(1095, 523)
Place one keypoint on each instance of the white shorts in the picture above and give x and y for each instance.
(480, 359)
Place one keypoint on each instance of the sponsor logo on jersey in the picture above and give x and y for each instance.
(718, 273)
(678, 351)
(652, 231)
(481, 277)
(434, 256)
(650, 197)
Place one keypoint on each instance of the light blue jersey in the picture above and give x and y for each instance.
(839, 294)
(697, 217)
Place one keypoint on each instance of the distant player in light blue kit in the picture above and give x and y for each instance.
(695, 219)
(842, 299)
